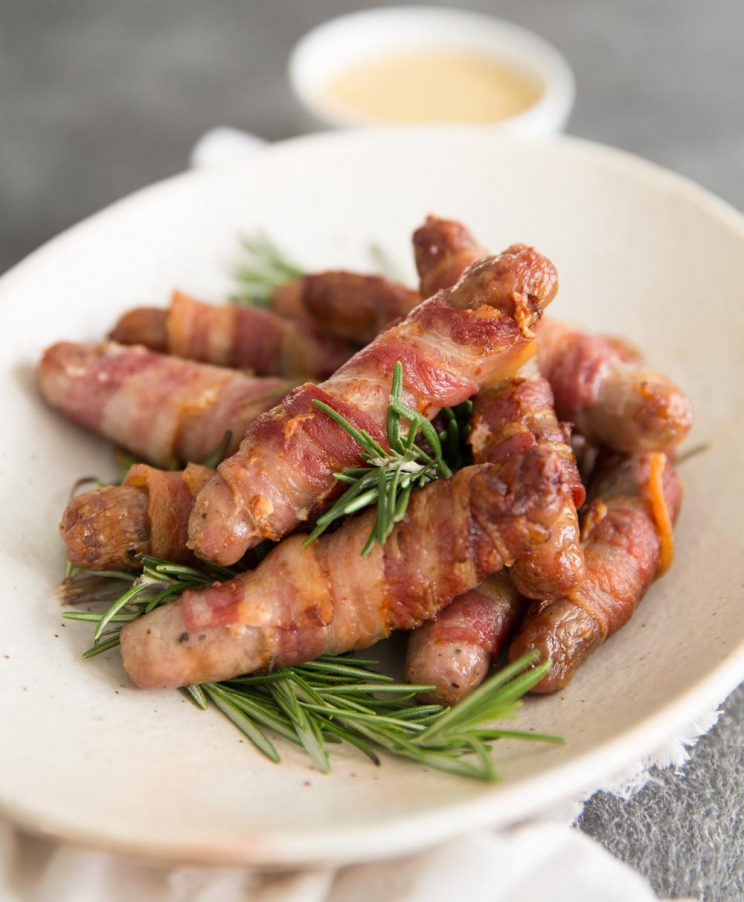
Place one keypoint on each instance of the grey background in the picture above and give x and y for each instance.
(99, 97)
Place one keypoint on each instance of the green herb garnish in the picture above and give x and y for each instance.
(263, 271)
(336, 698)
(388, 476)
(160, 581)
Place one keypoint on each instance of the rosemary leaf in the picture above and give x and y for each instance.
(263, 271)
(306, 728)
(393, 420)
(490, 698)
(120, 603)
(196, 694)
(106, 644)
(246, 726)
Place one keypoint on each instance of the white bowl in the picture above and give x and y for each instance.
(86, 756)
(332, 47)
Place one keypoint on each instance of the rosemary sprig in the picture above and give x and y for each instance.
(265, 268)
(388, 476)
(453, 425)
(160, 581)
(335, 698)
(263, 271)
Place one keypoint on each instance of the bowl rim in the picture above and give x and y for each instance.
(503, 804)
(535, 54)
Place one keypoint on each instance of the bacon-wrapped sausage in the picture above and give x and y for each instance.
(449, 346)
(355, 307)
(443, 250)
(600, 386)
(349, 306)
(161, 408)
(507, 419)
(306, 600)
(232, 335)
(598, 383)
(455, 651)
(109, 528)
(627, 543)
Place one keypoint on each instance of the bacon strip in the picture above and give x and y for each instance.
(307, 600)
(232, 335)
(161, 408)
(600, 386)
(109, 528)
(455, 651)
(622, 549)
(449, 346)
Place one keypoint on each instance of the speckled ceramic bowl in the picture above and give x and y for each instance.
(87, 757)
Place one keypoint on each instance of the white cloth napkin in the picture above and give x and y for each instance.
(544, 858)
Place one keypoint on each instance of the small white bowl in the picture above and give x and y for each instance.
(330, 48)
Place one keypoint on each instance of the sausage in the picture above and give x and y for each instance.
(355, 307)
(160, 408)
(602, 388)
(232, 335)
(106, 529)
(626, 540)
(455, 651)
(443, 250)
(112, 527)
(515, 415)
(348, 306)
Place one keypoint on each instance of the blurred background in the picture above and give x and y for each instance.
(100, 97)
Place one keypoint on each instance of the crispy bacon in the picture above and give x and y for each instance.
(443, 250)
(449, 346)
(600, 386)
(159, 407)
(232, 335)
(109, 528)
(455, 651)
(307, 600)
(516, 415)
(623, 551)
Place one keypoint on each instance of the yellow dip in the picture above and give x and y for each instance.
(435, 86)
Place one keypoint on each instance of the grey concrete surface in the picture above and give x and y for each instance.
(99, 97)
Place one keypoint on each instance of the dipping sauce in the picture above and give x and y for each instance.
(435, 86)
